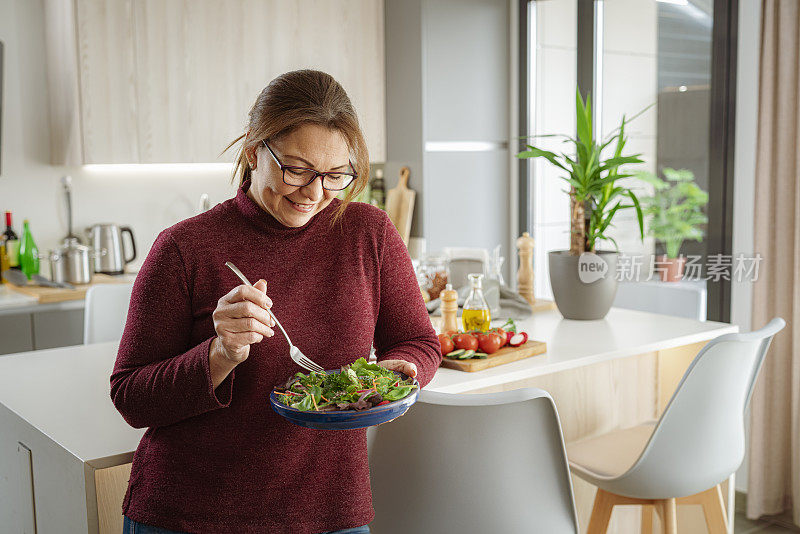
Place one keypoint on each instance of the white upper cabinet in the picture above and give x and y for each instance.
(170, 81)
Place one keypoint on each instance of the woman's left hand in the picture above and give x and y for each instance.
(402, 366)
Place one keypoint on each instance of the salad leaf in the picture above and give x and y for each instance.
(360, 385)
(398, 393)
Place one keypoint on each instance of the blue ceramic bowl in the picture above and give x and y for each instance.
(346, 419)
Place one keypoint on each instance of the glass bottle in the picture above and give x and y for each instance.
(28, 252)
(3, 263)
(377, 193)
(475, 314)
(11, 243)
(494, 279)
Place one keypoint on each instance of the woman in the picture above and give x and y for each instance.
(199, 356)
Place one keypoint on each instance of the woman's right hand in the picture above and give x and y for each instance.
(241, 319)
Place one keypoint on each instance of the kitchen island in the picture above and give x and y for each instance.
(65, 452)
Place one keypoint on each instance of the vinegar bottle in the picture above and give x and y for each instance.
(475, 314)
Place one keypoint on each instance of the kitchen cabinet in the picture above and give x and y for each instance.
(154, 81)
(16, 333)
(46, 329)
(57, 328)
(65, 451)
(450, 93)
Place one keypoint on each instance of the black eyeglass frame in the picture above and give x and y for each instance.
(322, 175)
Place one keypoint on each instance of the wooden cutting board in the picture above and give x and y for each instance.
(400, 205)
(504, 355)
(57, 294)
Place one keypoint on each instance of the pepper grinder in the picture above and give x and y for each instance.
(449, 297)
(525, 273)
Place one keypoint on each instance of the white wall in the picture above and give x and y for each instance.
(147, 200)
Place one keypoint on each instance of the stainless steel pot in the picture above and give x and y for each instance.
(73, 263)
(108, 237)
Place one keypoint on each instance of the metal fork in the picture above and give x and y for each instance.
(296, 354)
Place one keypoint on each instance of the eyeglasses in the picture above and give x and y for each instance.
(303, 176)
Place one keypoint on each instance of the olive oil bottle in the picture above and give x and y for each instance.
(476, 315)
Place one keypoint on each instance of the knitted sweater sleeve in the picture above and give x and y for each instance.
(403, 330)
(160, 377)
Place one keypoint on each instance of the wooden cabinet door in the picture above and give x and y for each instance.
(168, 81)
(106, 72)
(110, 486)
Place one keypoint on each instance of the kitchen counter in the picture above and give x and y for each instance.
(13, 302)
(55, 403)
(574, 344)
(44, 318)
(16, 302)
(64, 393)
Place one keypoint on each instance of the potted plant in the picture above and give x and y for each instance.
(583, 278)
(675, 214)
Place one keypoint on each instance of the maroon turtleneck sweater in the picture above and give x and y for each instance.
(222, 460)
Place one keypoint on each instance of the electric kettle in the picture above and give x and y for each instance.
(109, 237)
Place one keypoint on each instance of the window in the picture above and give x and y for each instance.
(630, 54)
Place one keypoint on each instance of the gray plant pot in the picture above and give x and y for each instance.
(582, 299)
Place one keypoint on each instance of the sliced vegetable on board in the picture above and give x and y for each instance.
(518, 339)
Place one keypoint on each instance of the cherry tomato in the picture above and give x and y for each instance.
(466, 342)
(491, 343)
(500, 332)
(446, 343)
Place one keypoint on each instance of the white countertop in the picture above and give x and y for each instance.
(572, 344)
(11, 299)
(64, 392)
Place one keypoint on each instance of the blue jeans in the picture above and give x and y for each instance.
(129, 526)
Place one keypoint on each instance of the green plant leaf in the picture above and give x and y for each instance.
(534, 152)
(584, 120)
(639, 215)
(620, 160)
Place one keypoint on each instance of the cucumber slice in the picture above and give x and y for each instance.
(455, 353)
(481, 355)
(467, 355)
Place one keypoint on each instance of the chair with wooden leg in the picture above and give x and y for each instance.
(473, 464)
(697, 443)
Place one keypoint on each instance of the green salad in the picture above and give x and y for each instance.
(359, 386)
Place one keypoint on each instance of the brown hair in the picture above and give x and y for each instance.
(304, 97)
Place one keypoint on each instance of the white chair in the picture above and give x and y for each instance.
(698, 442)
(473, 464)
(686, 298)
(105, 312)
(463, 261)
